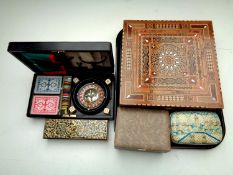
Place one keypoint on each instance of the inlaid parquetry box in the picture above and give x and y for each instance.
(169, 63)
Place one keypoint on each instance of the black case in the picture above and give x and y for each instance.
(63, 67)
(118, 73)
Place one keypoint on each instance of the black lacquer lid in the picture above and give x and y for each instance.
(62, 58)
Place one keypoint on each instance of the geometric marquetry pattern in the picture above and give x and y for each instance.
(169, 63)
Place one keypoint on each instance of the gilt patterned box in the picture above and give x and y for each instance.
(76, 129)
(169, 63)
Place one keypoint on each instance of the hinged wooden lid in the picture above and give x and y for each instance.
(64, 57)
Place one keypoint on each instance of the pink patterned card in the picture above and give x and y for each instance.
(47, 105)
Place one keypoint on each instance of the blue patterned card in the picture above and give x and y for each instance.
(48, 85)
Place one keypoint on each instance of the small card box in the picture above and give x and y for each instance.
(72, 79)
(142, 129)
(45, 105)
(48, 85)
(196, 128)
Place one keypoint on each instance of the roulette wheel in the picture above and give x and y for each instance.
(90, 96)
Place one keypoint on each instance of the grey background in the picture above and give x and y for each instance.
(22, 149)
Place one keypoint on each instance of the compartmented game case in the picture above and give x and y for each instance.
(72, 79)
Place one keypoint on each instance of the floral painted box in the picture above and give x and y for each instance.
(196, 128)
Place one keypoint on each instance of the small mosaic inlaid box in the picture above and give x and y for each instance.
(76, 129)
(196, 128)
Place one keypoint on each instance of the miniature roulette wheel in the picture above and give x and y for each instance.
(90, 96)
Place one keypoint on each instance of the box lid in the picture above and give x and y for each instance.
(64, 57)
(169, 64)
